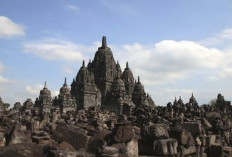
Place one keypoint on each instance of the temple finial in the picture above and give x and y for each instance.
(83, 63)
(127, 65)
(65, 82)
(104, 44)
(138, 79)
(45, 84)
(192, 94)
(180, 97)
(175, 98)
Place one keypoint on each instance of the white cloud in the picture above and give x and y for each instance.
(164, 62)
(8, 28)
(220, 38)
(57, 50)
(169, 61)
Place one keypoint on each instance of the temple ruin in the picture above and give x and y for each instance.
(107, 113)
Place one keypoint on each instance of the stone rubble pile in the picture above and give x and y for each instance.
(178, 130)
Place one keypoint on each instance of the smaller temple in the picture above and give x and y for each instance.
(221, 104)
(17, 107)
(65, 100)
(84, 90)
(193, 101)
(28, 106)
(45, 99)
(139, 94)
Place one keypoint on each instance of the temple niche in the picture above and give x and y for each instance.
(103, 84)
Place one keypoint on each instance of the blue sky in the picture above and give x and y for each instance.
(176, 46)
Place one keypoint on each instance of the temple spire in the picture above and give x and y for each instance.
(138, 79)
(104, 44)
(45, 84)
(65, 82)
(127, 65)
(83, 63)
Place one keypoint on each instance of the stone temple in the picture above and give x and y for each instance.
(103, 84)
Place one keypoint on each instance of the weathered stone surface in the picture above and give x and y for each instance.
(2, 139)
(110, 152)
(158, 131)
(121, 147)
(206, 123)
(77, 137)
(183, 137)
(137, 132)
(210, 140)
(193, 127)
(165, 147)
(187, 151)
(216, 150)
(20, 136)
(21, 150)
(96, 145)
(40, 137)
(122, 134)
(132, 148)
(66, 146)
(68, 153)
